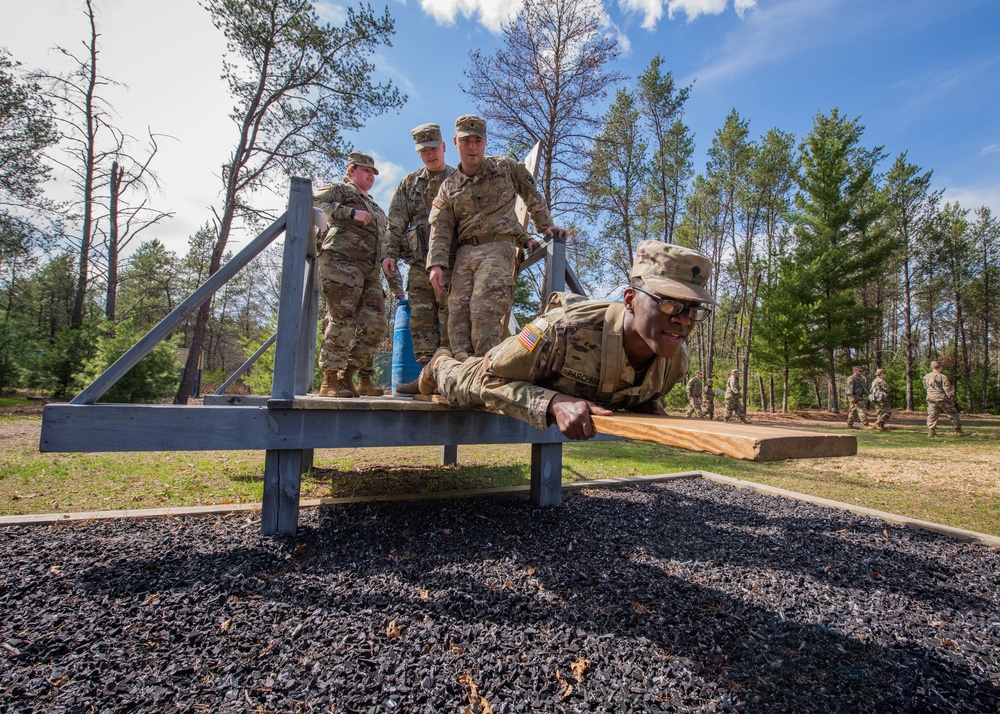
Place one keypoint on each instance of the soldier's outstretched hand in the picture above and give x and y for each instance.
(572, 416)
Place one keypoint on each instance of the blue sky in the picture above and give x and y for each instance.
(923, 75)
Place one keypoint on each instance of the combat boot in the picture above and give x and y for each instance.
(879, 426)
(334, 386)
(932, 432)
(347, 377)
(409, 387)
(427, 380)
(959, 432)
(366, 388)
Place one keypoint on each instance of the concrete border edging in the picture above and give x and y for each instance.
(957, 533)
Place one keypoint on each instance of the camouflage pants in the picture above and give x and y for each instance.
(857, 410)
(734, 408)
(482, 291)
(709, 407)
(428, 312)
(947, 407)
(355, 313)
(882, 411)
(694, 405)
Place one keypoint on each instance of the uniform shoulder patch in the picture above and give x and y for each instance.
(438, 202)
(528, 338)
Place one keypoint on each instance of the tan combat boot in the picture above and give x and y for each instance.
(410, 387)
(366, 388)
(427, 379)
(932, 432)
(959, 432)
(334, 386)
(347, 377)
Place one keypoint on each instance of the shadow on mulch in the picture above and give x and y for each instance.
(685, 596)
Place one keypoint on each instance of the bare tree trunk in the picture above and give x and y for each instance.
(86, 238)
(819, 399)
(112, 288)
(771, 389)
(763, 394)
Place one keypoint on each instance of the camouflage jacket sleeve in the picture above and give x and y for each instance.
(394, 245)
(330, 199)
(532, 198)
(442, 220)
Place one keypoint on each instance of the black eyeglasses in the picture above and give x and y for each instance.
(696, 313)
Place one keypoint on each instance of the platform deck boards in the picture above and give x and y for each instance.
(739, 441)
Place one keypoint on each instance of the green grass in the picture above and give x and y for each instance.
(944, 480)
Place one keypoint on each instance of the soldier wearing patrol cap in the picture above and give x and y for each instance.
(734, 398)
(476, 205)
(348, 262)
(583, 357)
(857, 398)
(407, 239)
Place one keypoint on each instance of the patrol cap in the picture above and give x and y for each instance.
(356, 158)
(426, 136)
(470, 125)
(858, 369)
(734, 371)
(673, 271)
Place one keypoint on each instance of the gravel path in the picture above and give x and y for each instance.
(682, 596)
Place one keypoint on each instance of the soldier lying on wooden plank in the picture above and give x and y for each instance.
(583, 357)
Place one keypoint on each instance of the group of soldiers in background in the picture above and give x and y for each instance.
(701, 401)
(457, 230)
(940, 399)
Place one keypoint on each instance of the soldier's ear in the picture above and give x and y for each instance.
(628, 297)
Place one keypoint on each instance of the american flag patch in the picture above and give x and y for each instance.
(528, 338)
(438, 201)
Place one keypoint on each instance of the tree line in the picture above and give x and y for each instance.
(829, 252)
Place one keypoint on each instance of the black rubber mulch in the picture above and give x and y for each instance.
(680, 596)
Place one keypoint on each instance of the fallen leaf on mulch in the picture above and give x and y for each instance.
(579, 666)
(475, 699)
(391, 630)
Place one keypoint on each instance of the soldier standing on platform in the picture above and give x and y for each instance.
(582, 357)
(351, 281)
(880, 399)
(734, 398)
(694, 396)
(708, 403)
(408, 239)
(941, 398)
(477, 203)
(857, 398)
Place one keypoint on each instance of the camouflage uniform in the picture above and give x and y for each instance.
(561, 351)
(880, 400)
(350, 277)
(857, 398)
(479, 210)
(708, 401)
(407, 239)
(940, 398)
(734, 400)
(694, 397)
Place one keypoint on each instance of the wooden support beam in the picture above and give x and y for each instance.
(546, 474)
(739, 441)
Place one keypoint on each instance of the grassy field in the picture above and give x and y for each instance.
(945, 480)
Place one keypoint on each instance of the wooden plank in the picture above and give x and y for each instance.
(739, 441)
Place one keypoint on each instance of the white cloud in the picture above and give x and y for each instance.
(770, 34)
(972, 197)
(991, 149)
(652, 10)
(490, 13)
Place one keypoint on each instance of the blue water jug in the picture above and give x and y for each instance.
(405, 367)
